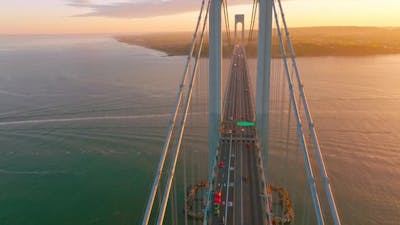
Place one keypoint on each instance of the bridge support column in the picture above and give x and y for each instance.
(215, 70)
(263, 75)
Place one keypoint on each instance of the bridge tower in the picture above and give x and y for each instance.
(239, 19)
(215, 71)
(263, 73)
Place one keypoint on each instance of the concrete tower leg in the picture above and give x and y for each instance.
(263, 75)
(215, 68)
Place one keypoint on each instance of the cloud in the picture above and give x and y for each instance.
(79, 3)
(142, 8)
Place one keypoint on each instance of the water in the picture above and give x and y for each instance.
(82, 121)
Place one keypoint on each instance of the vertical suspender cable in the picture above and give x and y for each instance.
(172, 123)
(173, 205)
(328, 189)
(171, 174)
(307, 162)
(226, 15)
(253, 19)
(305, 206)
(185, 187)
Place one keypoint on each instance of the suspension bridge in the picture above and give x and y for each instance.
(265, 164)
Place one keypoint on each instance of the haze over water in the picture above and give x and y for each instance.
(82, 122)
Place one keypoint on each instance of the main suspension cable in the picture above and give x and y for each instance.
(306, 156)
(253, 20)
(226, 16)
(172, 124)
(182, 127)
(328, 189)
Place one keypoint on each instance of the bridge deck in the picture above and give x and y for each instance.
(238, 179)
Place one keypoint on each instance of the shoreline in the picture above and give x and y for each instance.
(172, 54)
(307, 42)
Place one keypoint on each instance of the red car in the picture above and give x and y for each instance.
(221, 164)
(218, 198)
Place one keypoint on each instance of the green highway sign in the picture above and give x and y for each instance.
(245, 124)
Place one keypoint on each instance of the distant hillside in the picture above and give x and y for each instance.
(313, 41)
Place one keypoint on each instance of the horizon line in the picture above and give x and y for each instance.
(163, 32)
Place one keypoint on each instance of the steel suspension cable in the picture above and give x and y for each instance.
(172, 123)
(307, 162)
(253, 19)
(286, 176)
(305, 206)
(226, 15)
(173, 208)
(185, 187)
(192, 180)
(328, 189)
(296, 178)
(188, 100)
(282, 103)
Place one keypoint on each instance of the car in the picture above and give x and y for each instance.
(217, 198)
(221, 164)
(234, 64)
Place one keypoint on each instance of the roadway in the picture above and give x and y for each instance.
(238, 179)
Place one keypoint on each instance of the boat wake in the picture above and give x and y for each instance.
(35, 172)
(77, 119)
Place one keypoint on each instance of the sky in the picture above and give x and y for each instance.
(144, 16)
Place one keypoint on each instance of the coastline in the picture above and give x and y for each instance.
(308, 42)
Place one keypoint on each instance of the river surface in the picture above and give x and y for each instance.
(82, 123)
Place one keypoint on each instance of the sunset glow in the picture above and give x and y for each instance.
(61, 16)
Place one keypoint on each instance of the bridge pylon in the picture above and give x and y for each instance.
(239, 19)
(263, 74)
(215, 71)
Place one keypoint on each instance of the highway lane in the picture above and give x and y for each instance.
(237, 178)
